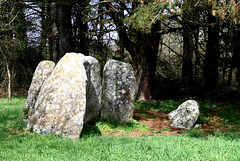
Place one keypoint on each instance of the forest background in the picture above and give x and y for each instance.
(178, 48)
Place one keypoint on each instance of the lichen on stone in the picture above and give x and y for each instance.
(186, 115)
(42, 72)
(118, 91)
(61, 104)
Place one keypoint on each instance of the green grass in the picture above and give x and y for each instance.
(107, 126)
(165, 106)
(16, 144)
(221, 115)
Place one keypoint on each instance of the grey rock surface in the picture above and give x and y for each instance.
(94, 88)
(186, 115)
(61, 104)
(198, 126)
(42, 72)
(118, 91)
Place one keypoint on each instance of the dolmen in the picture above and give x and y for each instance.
(65, 97)
(186, 115)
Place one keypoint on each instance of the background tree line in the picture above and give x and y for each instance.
(178, 48)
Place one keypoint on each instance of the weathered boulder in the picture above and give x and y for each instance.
(42, 72)
(94, 88)
(186, 115)
(118, 91)
(61, 104)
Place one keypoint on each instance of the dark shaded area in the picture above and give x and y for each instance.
(90, 130)
(175, 89)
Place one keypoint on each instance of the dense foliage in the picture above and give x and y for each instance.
(188, 48)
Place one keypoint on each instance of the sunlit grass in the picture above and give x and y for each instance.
(17, 144)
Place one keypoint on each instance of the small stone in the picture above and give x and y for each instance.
(198, 126)
(186, 115)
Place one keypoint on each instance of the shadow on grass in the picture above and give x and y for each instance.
(231, 114)
(90, 130)
(165, 106)
(204, 134)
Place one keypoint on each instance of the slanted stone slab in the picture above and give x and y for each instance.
(186, 115)
(42, 72)
(61, 104)
(118, 91)
(94, 88)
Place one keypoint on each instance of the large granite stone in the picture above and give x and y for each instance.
(42, 72)
(186, 115)
(118, 91)
(94, 88)
(61, 104)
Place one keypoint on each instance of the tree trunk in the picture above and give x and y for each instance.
(81, 40)
(144, 63)
(64, 27)
(9, 82)
(187, 66)
(61, 36)
(197, 54)
(212, 56)
(46, 29)
(143, 51)
(236, 53)
(54, 45)
(100, 52)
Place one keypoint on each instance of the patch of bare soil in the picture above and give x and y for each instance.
(159, 124)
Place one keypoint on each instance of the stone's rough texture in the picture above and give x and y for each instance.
(118, 91)
(94, 88)
(42, 72)
(198, 126)
(61, 103)
(186, 115)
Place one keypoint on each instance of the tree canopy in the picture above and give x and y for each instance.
(177, 47)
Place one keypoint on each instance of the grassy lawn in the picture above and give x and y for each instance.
(17, 144)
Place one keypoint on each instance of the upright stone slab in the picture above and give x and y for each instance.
(186, 115)
(61, 103)
(42, 72)
(118, 91)
(94, 88)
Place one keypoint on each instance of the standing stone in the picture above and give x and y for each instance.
(118, 91)
(94, 88)
(42, 72)
(61, 103)
(186, 115)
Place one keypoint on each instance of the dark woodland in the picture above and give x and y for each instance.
(178, 49)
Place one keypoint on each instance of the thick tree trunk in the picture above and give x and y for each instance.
(84, 47)
(61, 36)
(64, 27)
(81, 28)
(144, 63)
(187, 66)
(143, 51)
(212, 56)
